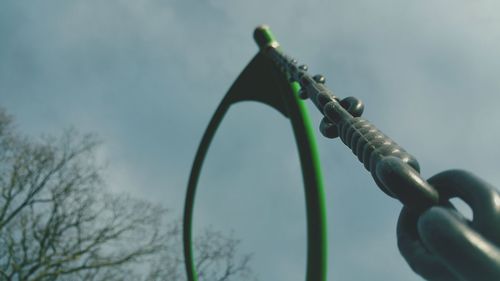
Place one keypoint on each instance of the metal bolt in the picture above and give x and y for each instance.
(319, 78)
(303, 67)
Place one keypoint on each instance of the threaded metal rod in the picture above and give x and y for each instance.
(395, 171)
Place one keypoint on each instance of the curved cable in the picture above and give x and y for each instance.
(262, 82)
(191, 190)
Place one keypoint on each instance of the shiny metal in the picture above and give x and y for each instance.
(406, 184)
(328, 129)
(440, 244)
(482, 197)
(396, 172)
(464, 251)
(366, 141)
(436, 241)
(319, 78)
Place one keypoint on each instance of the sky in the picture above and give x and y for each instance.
(146, 76)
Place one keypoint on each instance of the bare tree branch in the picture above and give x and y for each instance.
(58, 222)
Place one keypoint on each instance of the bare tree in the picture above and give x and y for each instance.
(57, 221)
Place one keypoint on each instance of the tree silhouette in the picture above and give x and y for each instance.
(58, 221)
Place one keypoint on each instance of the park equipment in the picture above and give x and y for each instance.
(435, 239)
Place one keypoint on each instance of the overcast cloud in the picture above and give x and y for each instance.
(147, 75)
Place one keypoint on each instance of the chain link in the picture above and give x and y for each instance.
(437, 242)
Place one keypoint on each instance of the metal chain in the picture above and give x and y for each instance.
(437, 242)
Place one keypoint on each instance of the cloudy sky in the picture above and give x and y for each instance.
(147, 75)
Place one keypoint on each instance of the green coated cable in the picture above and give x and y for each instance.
(261, 81)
